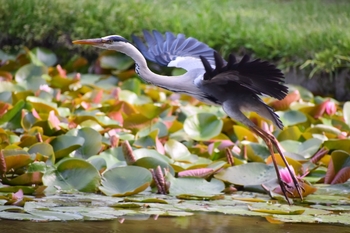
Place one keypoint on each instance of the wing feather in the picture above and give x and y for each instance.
(257, 76)
(171, 50)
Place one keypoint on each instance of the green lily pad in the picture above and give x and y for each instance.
(249, 174)
(116, 61)
(203, 126)
(56, 216)
(331, 219)
(149, 162)
(143, 152)
(63, 145)
(92, 143)
(292, 117)
(337, 144)
(125, 181)
(29, 178)
(15, 159)
(195, 186)
(22, 216)
(178, 151)
(43, 149)
(290, 133)
(44, 56)
(11, 113)
(73, 174)
(30, 76)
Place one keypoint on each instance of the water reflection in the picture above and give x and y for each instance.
(199, 223)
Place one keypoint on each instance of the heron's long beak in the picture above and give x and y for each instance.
(97, 41)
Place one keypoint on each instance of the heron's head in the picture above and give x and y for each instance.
(113, 42)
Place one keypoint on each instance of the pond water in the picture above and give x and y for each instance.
(198, 223)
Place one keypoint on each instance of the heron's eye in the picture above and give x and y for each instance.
(107, 41)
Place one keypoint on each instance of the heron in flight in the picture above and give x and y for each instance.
(236, 86)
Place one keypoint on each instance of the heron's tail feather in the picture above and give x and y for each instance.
(261, 77)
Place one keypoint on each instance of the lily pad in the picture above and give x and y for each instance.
(125, 181)
(203, 126)
(92, 143)
(178, 151)
(63, 145)
(73, 174)
(194, 186)
(292, 117)
(45, 56)
(249, 174)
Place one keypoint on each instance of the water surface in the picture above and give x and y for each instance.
(199, 223)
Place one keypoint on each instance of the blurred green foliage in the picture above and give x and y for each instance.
(291, 32)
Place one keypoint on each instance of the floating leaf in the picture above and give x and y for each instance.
(63, 145)
(30, 76)
(92, 142)
(73, 174)
(149, 162)
(29, 178)
(339, 168)
(292, 117)
(15, 159)
(11, 113)
(125, 181)
(243, 133)
(277, 210)
(43, 149)
(195, 186)
(178, 151)
(329, 131)
(116, 61)
(338, 144)
(203, 126)
(290, 133)
(45, 56)
(249, 174)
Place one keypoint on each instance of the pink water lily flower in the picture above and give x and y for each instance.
(286, 178)
(285, 175)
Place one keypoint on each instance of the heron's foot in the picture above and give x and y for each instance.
(297, 186)
(286, 189)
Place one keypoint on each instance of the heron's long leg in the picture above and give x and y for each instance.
(295, 180)
(270, 147)
(232, 108)
(271, 142)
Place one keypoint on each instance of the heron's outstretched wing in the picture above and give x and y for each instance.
(174, 51)
(257, 76)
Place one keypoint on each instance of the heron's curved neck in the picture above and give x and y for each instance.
(173, 83)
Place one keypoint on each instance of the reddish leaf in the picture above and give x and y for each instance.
(36, 114)
(26, 179)
(200, 172)
(3, 108)
(159, 146)
(61, 71)
(5, 76)
(342, 176)
(53, 121)
(97, 98)
(284, 103)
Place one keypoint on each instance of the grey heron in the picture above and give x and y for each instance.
(236, 86)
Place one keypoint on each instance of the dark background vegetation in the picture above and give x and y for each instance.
(310, 35)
